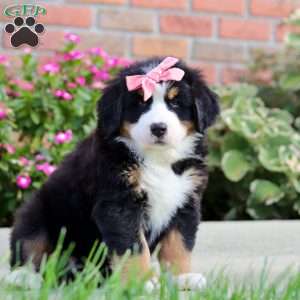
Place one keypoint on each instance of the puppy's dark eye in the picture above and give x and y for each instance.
(140, 92)
(173, 103)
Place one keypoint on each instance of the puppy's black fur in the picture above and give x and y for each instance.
(88, 194)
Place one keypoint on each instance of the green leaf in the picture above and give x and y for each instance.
(214, 157)
(35, 117)
(265, 191)
(84, 95)
(234, 165)
(234, 141)
(290, 82)
(297, 207)
(293, 39)
(282, 115)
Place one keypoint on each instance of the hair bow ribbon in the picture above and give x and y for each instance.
(148, 82)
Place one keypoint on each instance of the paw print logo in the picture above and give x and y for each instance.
(24, 32)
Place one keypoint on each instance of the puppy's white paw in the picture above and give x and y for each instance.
(25, 278)
(191, 281)
(151, 285)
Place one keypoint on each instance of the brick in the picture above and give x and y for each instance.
(187, 25)
(155, 46)
(230, 74)
(160, 3)
(228, 6)
(245, 29)
(67, 16)
(218, 52)
(282, 30)
(53, 40)
(208, 71)
(127, 20)
(99, 1)
(114, 44)
(273, 8)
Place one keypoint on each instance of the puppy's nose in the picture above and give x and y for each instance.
(158, 129)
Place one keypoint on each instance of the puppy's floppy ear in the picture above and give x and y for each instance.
(110, 108)
(206, 107)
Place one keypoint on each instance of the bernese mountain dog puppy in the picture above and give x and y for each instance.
(136, 182)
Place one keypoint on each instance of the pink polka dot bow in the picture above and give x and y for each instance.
(148, 82)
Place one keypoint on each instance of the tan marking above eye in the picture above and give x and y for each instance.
(172, 92)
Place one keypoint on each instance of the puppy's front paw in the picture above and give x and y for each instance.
(25, 278)
(191, 281)
(151, 285)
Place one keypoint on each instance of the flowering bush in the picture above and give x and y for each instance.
(45, 108)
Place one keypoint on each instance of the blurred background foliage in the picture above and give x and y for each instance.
(254, 148)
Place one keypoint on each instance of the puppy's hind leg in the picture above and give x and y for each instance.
(29, 238)
(29, 250)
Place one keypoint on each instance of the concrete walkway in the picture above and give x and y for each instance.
(239, 247)
(244, 248)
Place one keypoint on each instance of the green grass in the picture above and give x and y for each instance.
(86, 284)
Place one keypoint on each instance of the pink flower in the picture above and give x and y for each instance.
(4, 60)
(80, 80)
(23, 161)
(67, 96)
(40, 157)
(98, 52)
(3, 113)
(100, 74)
(49, 170)
(112, 62)
(98, 85)
(124, 62)
(11, 93)
(71, 85)
(23, 181)
(9, 148)
(24, 85)
(63, 137)
(73, 38)
(27, 50)
(52, 68)
(73, 55)
(59, 93)
(40, 167)
(46, 168)
(63, 95)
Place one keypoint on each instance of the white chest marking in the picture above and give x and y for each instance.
(166, 193)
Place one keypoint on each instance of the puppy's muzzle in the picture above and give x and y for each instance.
(158, 129)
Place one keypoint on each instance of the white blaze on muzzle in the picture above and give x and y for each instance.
(158, 113)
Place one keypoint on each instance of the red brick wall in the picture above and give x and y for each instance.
(217, 35)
